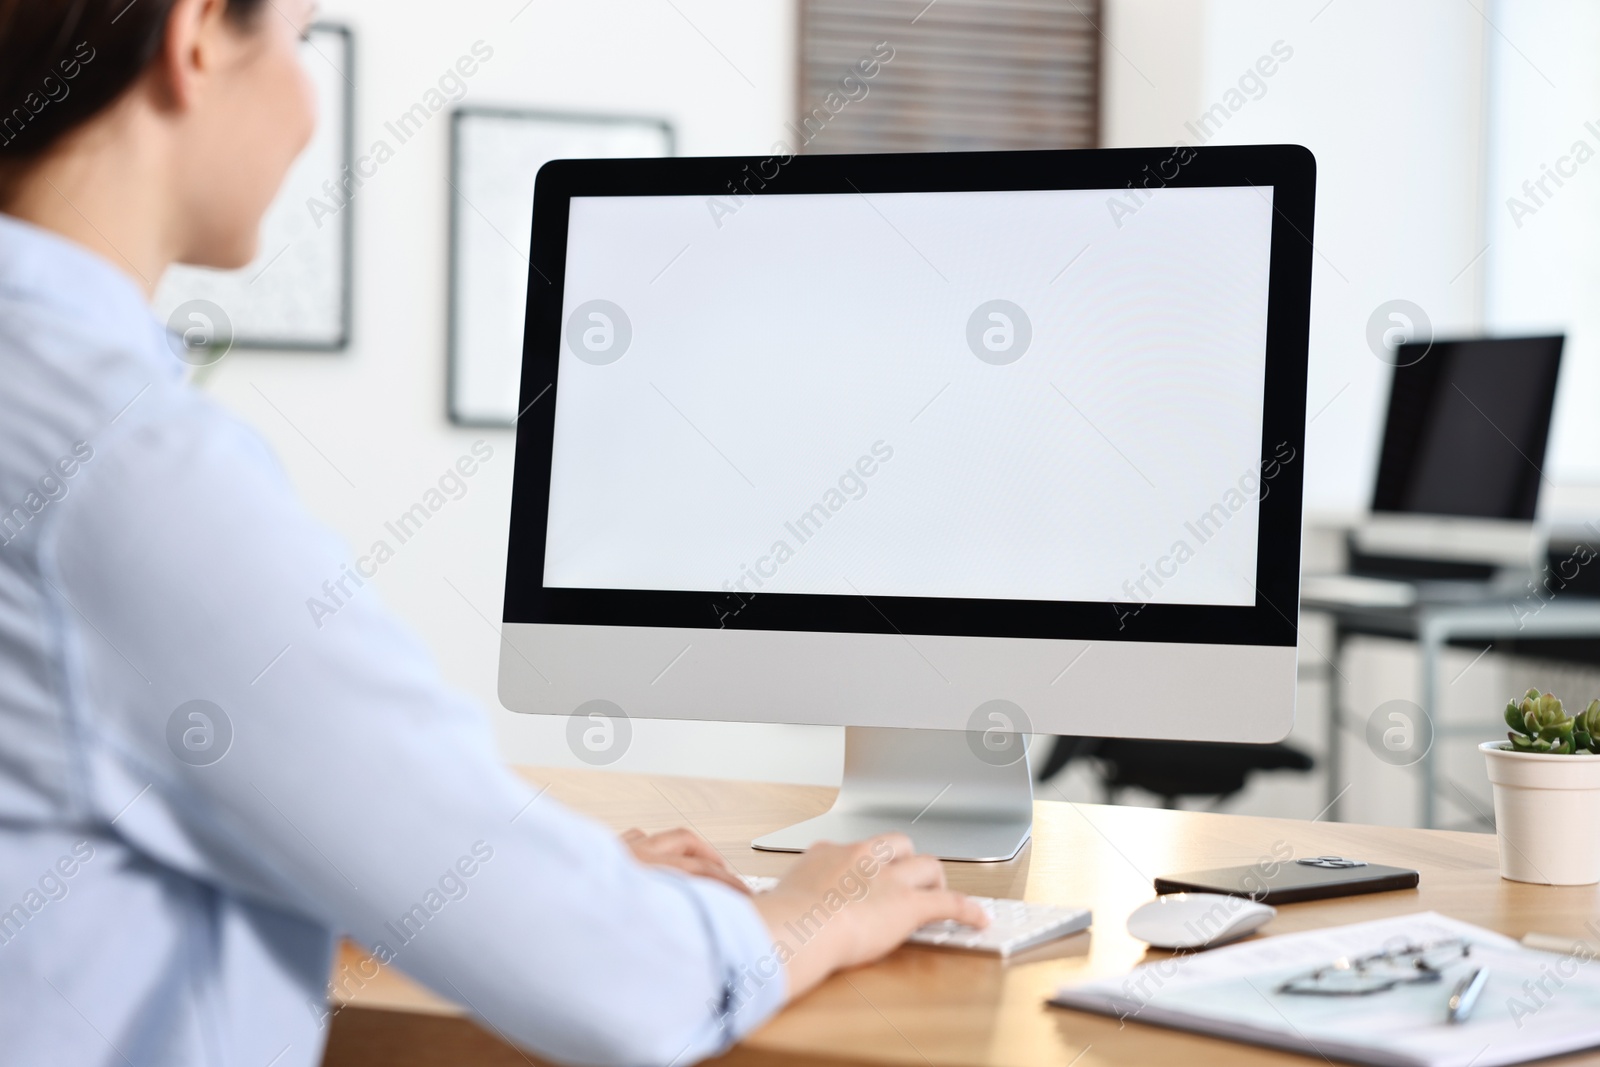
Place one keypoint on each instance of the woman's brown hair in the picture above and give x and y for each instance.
(64, 61)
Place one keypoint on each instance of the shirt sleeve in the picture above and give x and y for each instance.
(332, 774)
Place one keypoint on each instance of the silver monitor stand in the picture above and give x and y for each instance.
(959, 795)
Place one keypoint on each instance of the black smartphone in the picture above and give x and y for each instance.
(1288, 881)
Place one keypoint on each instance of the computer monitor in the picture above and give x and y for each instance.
(1468, 425)
(1462, 457)
(944, 448)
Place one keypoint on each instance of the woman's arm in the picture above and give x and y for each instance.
(357, 789)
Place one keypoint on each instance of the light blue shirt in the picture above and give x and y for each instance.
(162, 906)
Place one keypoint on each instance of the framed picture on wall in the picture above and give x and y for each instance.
(296, 294)
(496, 154)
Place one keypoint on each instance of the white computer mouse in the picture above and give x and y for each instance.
(1197, 920)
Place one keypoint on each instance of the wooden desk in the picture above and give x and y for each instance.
(922, 1007)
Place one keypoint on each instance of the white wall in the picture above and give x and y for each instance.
(1388, 98)
(375, 415)
(1543, 259)
(1425, 119)
(1384, 94)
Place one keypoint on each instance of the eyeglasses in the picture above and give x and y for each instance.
(1413, 964)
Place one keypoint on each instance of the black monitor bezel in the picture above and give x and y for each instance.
(1290, 170)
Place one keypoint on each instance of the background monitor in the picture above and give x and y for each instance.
(1467, 428)
(988, 443)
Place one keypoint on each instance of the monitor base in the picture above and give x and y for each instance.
(956, 794)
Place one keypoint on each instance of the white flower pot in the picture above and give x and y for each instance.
(1546, 815)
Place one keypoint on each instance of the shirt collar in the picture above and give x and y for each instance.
(40, 267)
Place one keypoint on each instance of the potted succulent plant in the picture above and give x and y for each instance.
(1546, 781)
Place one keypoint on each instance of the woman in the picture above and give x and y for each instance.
(197, 796)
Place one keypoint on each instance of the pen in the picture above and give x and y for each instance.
(1466, 993)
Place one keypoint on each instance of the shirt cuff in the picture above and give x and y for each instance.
(751, 980)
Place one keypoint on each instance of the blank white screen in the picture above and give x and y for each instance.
(774, 349)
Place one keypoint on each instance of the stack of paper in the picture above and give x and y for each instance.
(1535, 1004)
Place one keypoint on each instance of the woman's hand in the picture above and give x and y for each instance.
(845, 905)
(683, 850)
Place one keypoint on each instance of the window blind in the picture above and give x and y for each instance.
(909, 76)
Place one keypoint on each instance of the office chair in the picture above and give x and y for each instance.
(1172, 769)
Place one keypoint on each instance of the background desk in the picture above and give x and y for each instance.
(922, 1007)
(1433, 626)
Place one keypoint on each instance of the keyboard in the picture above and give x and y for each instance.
(1351, 590)
(1014, 925)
